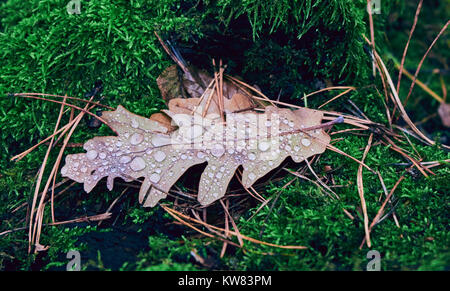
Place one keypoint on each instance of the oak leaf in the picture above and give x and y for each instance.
(146, 148)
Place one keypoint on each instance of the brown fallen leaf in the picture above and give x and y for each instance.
(144, 148)
(169, 83)
(444, 113)
(164, 120)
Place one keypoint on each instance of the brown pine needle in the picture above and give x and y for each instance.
(381, 210)
(328, 89)
(397, 101)
(239, 236)
(394, 147)
(359, 181)
(319, 180)
(335, 97)
(386, 194)
(265, 98)
(416, 17)
(92, 218)
(177, 216)
(40, 212)
(227, 228)
(422, 60)
(73, 106)
(36, 194)
(54, 177)
(23, 154)
(420, 84)
(67, 97)
(334, 149)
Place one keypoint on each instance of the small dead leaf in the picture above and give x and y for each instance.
(444, 113)
(169, 83)
(164, 120)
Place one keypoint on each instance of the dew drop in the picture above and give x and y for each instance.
(263, 146)
(137, 164)
(306, 142)
(92, 154)
(159, 156)
(159, 140)
(134, 123)
(193, 132)
(251, 156)
(252, 176)
(154, 178)
(125, 159)
(217, 150)
(136, 138)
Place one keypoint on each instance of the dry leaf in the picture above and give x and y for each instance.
(444, 113)
(164, 120)
(144, 148)
(169, 83)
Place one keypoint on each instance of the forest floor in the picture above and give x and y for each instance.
(43, 49)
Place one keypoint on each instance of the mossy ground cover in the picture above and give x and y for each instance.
(293, 46)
